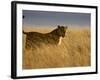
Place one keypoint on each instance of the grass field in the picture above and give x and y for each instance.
(74, 50)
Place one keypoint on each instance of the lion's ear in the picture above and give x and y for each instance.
(66, 27)
(58, 26)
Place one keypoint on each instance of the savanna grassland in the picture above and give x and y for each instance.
(74, 51)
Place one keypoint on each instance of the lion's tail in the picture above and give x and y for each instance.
(25, 32)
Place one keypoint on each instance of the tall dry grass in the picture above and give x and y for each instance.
(74, 50)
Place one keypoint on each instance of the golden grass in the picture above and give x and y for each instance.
(74, 50)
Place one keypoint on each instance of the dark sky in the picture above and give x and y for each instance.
(46, 18)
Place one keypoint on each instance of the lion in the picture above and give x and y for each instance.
(36, 39)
